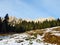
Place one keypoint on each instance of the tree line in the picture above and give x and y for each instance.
(24, 26)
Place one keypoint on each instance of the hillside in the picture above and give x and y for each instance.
(37, 37)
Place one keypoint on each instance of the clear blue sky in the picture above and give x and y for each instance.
(30, 8)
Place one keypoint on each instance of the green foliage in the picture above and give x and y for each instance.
(0, 25)
(24, 26)
(5, 24)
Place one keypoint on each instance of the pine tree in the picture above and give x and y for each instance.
(0, 25)
(5, 24)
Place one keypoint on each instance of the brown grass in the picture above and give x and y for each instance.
(5, 34)
(51, 38)
(40, 32)
(56, 29)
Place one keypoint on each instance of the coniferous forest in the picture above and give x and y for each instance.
(6, 27)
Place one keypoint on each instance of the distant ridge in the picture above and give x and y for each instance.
(44, 19)
(41, 19)
(14, 19)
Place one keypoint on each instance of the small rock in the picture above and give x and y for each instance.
(1, 39)
(38, 40)
(19, 41)
(27, 38)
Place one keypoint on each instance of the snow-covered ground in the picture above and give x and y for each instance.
(23, 39)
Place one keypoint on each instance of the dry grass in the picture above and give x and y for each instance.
(5, 34)
(35, 32)
(51, 38)
(40, 32)
(56, 29)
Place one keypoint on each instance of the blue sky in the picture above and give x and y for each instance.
(30, 8)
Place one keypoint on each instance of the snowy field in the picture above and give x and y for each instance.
(26, 39)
